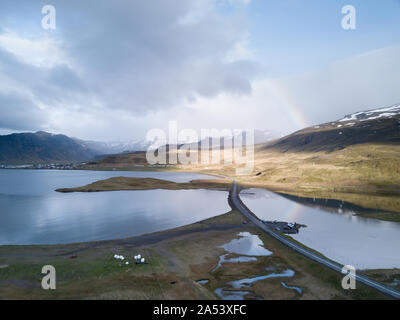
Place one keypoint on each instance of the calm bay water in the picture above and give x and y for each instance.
(338, 234)
(31, 212)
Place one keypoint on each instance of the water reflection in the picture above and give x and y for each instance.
(245, 283)
(33, 213)
(231, 294)
(332, 205)
(339, 235)
(236, 294)
(297, 289)
(202, 281)
(247, 244)
(223, 259)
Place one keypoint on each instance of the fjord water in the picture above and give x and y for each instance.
(31, 212)
(337, 234)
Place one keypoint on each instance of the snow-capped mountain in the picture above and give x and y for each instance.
(387, 112)
(381, 125)
(260, 136)
(114, 147)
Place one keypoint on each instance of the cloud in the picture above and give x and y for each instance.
(243, 3)
(141, 56)
(291, 103)
(45, 87)
(42, 52)
(358, 83)
(18, 113)
(113, 69)
(137, 56)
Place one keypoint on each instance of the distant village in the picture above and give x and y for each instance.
(56, 166)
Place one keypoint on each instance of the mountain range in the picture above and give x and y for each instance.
(44, 147)
(114, 147)
(380, 125)
(39, 147)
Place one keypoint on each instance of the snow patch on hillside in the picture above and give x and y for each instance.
(386, 112)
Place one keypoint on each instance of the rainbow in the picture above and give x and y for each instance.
(287, 103)
(293, 211)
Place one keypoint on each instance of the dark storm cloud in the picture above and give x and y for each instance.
(56, 85)
(18, 113)
(132, 55)
(143, 54)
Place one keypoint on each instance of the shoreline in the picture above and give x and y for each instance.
(177, 259)
(31, 251)
(136, 184)
(387, 207)
(384, 199)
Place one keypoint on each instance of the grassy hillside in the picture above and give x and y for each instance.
(355, 159)
(41, 147)
(339, 135)
(124, 183)
(364, 174)
(364, 168)
(379, 126)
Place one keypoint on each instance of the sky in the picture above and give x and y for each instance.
(113, 70)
